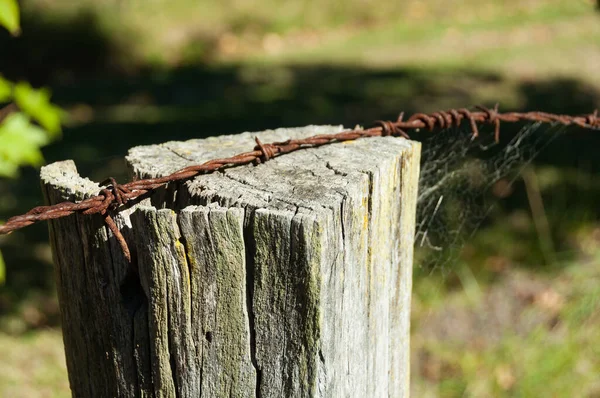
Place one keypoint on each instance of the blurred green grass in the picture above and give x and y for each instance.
(527, 334)
(133, 73)
(33, 365)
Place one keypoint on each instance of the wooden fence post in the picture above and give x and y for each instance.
(286, 279)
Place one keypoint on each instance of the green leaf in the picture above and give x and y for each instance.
(18, 126)
(36, 103)
(21, 142)
(9, 16)
(2, 270)
(5, 89)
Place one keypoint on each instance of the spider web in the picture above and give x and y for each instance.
(458, 174)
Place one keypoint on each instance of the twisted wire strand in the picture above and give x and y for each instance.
(113, 195)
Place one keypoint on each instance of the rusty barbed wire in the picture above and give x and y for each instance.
(114, 196)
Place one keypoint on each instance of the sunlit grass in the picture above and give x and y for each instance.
(33, 365)
(549, 348)
(556, 40)
(167, 32)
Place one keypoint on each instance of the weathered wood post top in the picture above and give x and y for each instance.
(290, 278)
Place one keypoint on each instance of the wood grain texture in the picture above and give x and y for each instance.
(290, 278)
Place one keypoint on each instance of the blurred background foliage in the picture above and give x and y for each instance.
(24, 109)
(517, 313)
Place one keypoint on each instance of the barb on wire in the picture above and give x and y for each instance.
(114, 195)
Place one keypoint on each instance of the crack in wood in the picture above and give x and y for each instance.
(249, 252)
